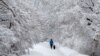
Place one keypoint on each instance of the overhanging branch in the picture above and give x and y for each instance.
(6, 5)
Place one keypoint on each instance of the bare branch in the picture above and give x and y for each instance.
(11, 24)
(91, 8)
(3, 20)
(8, 8)
(88, 8)
(92, 3)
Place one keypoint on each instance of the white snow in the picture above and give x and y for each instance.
(43, 49)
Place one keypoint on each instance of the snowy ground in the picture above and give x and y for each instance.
(43, 49)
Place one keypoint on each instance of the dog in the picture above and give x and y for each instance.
(54, 47)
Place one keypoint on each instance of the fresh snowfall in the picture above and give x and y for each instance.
(43, 49)
(49, 27)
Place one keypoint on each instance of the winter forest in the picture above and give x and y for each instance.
(74, 24)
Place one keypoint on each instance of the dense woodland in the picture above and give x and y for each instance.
(72, 23)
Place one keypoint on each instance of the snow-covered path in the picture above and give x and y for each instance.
(43, 49)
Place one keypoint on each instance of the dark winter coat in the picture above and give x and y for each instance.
(51, 42)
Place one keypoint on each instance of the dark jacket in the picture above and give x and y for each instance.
(51, 42)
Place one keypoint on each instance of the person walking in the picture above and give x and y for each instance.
(51, 43)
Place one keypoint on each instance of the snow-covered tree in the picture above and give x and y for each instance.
(73, 23)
